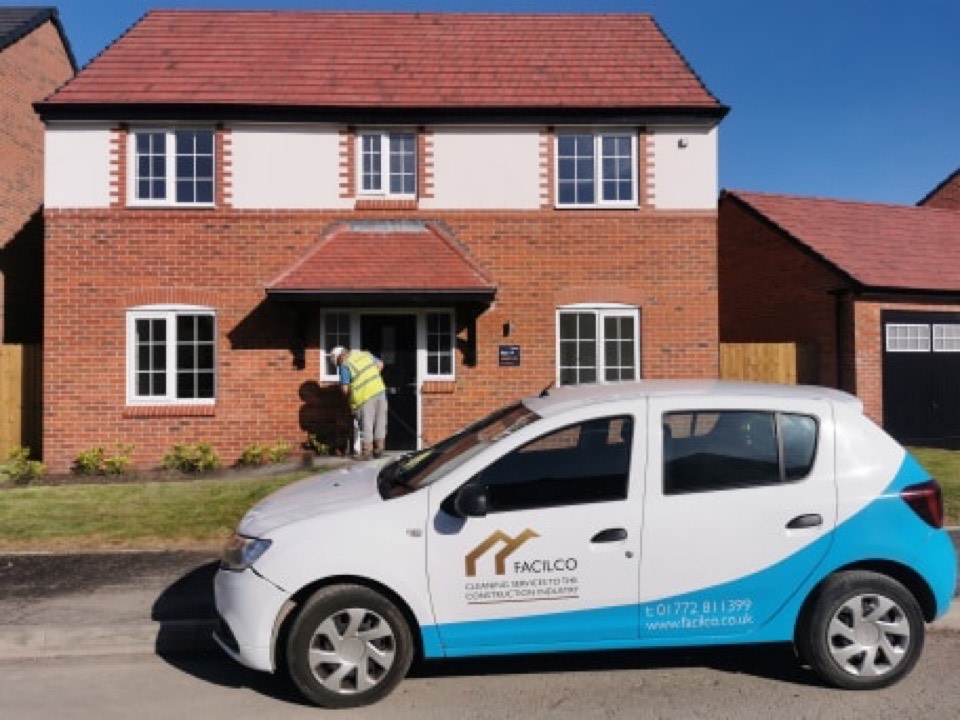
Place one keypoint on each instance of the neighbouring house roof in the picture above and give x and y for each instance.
(879, 247)
(18, 22)
(949, 186)
(448, 61)
(404, 260)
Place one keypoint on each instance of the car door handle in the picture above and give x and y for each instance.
(609, 535)
(801, 522)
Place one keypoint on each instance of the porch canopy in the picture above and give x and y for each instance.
(391, 262)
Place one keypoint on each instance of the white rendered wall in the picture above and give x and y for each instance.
(485, 169)
(76, 164)
(685, 169)
(286, 168)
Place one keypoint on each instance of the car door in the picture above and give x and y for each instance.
(554, 563)
(730, 535)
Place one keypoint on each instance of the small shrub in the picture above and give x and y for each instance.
(257, 454)
(252, 455)
(318, 444)
(191, 458)
(19, 468)
(279, 451)
(95, 461)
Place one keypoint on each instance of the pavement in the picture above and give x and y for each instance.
(115, 603)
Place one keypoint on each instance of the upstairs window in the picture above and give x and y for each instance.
(388, 164)
(172, 167)
(596, 169)
(171, 355)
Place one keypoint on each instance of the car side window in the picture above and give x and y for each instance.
(584, 463)
(712, 450)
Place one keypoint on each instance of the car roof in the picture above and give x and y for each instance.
(555, 400)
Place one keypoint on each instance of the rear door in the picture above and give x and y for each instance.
(727, 538)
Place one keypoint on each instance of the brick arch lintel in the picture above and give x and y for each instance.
(574, 295)
(168, 296)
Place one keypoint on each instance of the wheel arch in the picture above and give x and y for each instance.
(903, 574)
(296, 601)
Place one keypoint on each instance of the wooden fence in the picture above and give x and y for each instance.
(21, 406)
(787, 363)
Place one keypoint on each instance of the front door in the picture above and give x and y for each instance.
(393, 338)
(555, 562)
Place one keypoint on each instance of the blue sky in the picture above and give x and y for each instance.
(850, 99)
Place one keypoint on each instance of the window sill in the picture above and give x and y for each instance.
(172, 206)
(385, 204)
(169, 411)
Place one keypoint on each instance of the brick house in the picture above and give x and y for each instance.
(491, 203)
(945, 195)
(875, 288)
(35, 59)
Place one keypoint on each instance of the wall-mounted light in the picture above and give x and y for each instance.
(507, 328)
(682, 143)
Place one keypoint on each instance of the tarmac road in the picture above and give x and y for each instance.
(87, 604)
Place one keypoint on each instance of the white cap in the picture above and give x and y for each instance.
(337, 352)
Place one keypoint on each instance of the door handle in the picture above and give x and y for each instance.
(609, 535)
(801, 522)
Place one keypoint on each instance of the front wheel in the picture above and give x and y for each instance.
(863, 631)
(348, 646)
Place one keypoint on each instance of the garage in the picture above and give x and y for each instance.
(921, 376)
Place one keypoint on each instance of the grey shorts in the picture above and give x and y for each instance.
(373, 418)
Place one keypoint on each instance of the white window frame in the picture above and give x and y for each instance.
(452, 343)
(383, 190)
(601, 311)
(898, 337)
(598, 137)
(328, 371)
(170, 150)
(423, 365)
(169, 315)
(946, 337)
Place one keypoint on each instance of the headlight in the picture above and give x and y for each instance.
(241, 552)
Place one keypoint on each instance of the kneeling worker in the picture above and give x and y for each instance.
(362, 383)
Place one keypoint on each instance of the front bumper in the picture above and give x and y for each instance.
(249, 608)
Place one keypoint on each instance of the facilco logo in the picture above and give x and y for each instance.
(553, 579)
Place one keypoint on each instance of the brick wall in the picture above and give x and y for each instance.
(30, 69)
(101, 262)
(773, 291)
(947, 196)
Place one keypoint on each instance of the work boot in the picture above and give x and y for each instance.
(378, 448)
(366, 451)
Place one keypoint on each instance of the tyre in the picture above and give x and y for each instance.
(862, 631)
(348, 646)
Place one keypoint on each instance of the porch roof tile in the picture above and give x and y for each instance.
(388, 257)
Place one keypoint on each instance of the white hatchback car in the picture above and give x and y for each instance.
(640, 515)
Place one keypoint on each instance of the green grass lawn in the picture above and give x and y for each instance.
(205, 511)
(944, 465)
(147, 514)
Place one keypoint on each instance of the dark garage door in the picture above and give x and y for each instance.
(921, 376)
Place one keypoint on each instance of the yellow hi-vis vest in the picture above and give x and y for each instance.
(365, 380)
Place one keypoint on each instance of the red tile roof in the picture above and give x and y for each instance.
(389, 257)
(879, 246)
(398, 60)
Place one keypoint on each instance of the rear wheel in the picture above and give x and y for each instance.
(348, 646)
(863, 631)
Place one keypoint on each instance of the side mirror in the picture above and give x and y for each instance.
(471, 501)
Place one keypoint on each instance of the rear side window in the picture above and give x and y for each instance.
(705, 451)
(584, 463)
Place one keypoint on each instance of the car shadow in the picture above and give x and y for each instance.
(186, 613)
